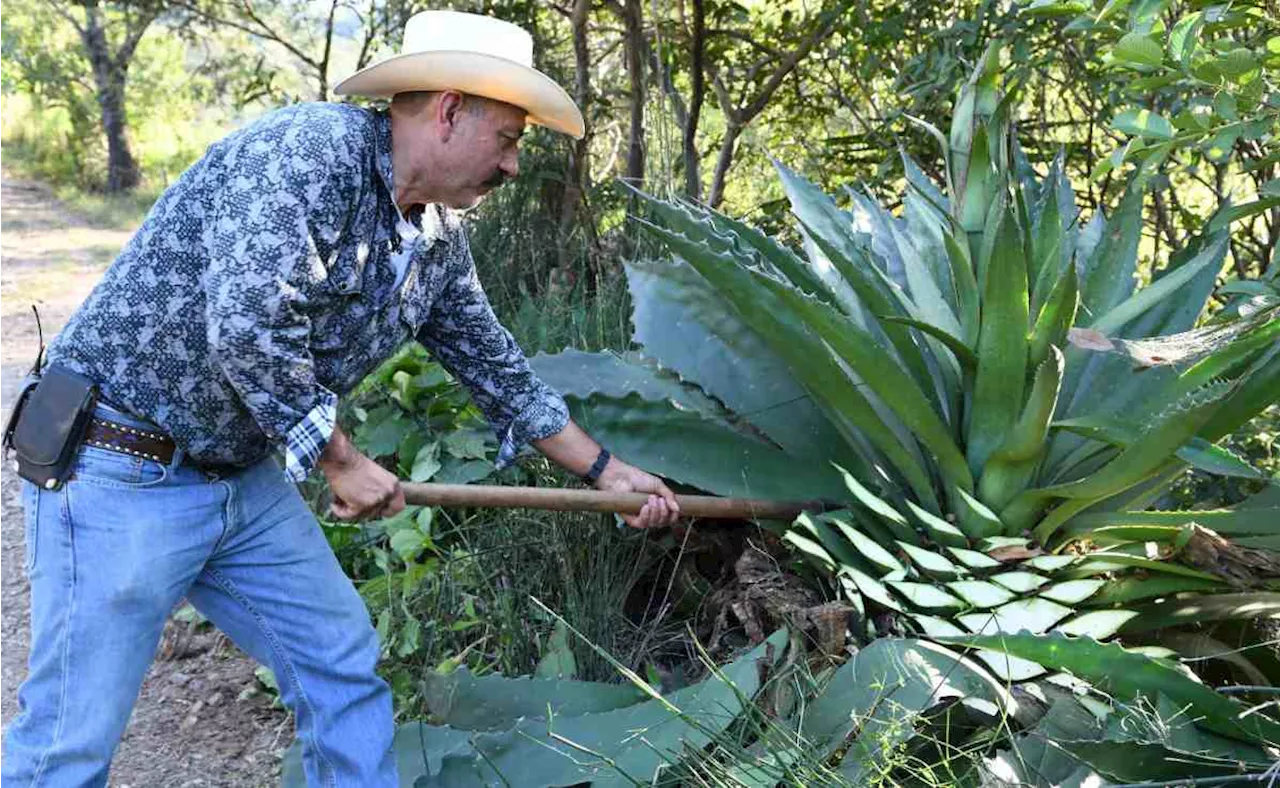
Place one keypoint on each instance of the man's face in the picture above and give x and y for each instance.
(483, 151)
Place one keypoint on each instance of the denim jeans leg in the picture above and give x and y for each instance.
(276, 588)
(111, 554)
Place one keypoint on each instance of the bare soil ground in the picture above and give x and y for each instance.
(201, 719)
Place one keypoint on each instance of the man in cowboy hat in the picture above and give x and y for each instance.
(279, 270)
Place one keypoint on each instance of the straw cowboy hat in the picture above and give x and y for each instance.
(448, 50)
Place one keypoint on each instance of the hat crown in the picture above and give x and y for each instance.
(454, 31)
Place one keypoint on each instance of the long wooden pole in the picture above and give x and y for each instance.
(599, 501)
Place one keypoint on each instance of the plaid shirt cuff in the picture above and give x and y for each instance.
(307, 439)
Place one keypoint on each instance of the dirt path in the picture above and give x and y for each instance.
(201, 719)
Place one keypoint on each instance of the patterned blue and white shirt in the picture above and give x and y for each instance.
(261, 286)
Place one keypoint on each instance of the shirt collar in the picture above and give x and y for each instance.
(432, 220)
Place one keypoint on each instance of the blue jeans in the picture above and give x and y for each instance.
(112, 552)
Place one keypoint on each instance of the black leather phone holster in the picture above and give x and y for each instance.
(47, 424)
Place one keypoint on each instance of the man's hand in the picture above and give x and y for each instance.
(662, 508)
(362, 489)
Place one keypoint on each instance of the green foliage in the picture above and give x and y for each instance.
(597, 738)
(984, 369)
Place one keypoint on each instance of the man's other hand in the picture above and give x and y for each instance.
(661, 509)
(362, 489)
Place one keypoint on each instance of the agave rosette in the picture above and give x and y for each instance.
(978, 377)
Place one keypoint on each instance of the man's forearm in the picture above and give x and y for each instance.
(571, 448)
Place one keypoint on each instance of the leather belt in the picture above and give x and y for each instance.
(112, 436)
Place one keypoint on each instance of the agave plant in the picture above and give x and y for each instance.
(978, 380)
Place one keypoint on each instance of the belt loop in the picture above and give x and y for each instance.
(179, 456)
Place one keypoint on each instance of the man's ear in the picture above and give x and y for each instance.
(448, 112)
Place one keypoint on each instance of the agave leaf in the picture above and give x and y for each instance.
(1054, 321)
(1048, 244)
(580, 375)
(1050, 563)
(890, 516)
(1108, 274)
(1036, 757)
(966, 285)
(1034, 615)
(680, 319)
(1218, 607)
(980, 593)
(811, 549)
(869, 587)
(940, 531)
(493, 702)
(831, 231)
(1102, 561)
(1150, 762)
(882, 691)
(974, 560)
(1127, 676)
(1019, 582)
(421, 752)
(804, 353)
(1072, 592)
(976, 519)
(1144, 457)
(924, 596)
(1012, 465)
(1118, 316)
(1127, 590)
(786, 262)
(876, 555)
(933, 627)
(1098, 624)
(636, 739)
(834, 544)
(1239, 521)
(1257, 391)
(1002, 348)
(959, 350)
(931, 563)
(684, 446)
(883, 376)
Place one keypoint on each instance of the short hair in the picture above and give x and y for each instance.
(415, 100)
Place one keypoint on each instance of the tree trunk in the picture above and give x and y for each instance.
(723, 162)
(109, 77)
(577, 185)
(635, 71)
(692, 171)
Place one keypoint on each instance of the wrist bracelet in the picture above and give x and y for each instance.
(593, 475)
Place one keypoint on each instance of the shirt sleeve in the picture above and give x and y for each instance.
(286, 196)
(465, 336)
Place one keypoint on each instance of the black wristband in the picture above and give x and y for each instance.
(593, 475)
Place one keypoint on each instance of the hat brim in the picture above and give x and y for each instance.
(471, 72)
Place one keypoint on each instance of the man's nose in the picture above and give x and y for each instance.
(511, 164)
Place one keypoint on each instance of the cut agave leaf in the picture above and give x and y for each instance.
(1050, 563)
(1072, 592)
(978, 562)
(934, 626)
(1127, 676)
(939, 530)
(1019, 582)
(980, 593)
(924, 596)
(931, 563)
(879, 557)
(871, 588)
(1034, 615)
(1099, 624)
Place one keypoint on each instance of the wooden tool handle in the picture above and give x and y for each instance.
(599, 501)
